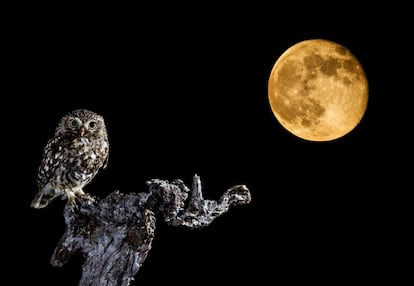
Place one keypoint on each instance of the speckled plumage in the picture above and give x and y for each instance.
(72, 157)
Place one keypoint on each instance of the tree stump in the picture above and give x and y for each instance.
(115, 233)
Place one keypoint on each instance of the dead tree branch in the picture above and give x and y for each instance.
(114, 234)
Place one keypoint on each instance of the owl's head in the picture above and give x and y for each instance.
(82, 122)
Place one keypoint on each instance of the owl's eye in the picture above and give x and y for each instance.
(73, 123)
(92, 125)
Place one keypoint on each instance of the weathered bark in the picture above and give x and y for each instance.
(115, 233)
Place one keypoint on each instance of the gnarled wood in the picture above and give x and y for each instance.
(115, 233)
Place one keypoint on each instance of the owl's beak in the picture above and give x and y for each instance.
(82, 131)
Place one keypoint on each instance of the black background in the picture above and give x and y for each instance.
(185, 93)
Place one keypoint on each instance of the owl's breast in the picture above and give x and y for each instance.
(90, 154)
(82, 161)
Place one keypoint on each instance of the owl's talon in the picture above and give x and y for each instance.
(85, 196)
(71, 197)
(80, 194)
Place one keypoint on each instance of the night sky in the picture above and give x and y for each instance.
(186, 94)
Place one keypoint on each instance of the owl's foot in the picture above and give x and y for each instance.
(70, 196)
(78, 195)
(83, 195)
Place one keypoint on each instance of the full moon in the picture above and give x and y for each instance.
(318, 90)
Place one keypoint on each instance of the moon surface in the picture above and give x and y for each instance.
(318, 90)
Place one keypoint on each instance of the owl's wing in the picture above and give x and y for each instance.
(52, 154)
(45, 196)
(105, 162)
(50, 160)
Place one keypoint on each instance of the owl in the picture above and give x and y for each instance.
(72, 157)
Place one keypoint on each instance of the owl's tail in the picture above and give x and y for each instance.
(44, 197)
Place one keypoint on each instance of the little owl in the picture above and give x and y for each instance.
(72, 157)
